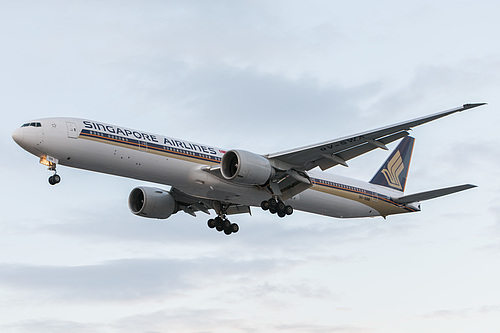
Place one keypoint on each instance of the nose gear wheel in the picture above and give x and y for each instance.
(55, 179)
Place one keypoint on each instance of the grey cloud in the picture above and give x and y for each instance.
(303, 289)
(202, 319)
(261, 234)
(490, 249)
(312, 328)
(439, 85)
(243, 103)
(489, 308)
(480, 158)
(493, 230)
(128, 279)
(447, 314)
(51, 326)
(453, 314)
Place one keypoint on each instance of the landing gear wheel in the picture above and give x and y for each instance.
(289, 210)
(281, 206)
(232, 228)
(218, 221)
(211, 223)
(55, 179)
(280, 209)
(272, 210)
(272, 203)
(264, 205)
(219, 224)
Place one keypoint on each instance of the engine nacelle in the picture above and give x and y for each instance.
(245, 167)
(152, 202)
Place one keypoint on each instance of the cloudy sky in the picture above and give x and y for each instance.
(264, 76)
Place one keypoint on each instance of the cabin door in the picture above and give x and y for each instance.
(72, 130)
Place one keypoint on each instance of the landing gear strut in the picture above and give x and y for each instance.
(221, 223)
(277, 206)
(55, 178)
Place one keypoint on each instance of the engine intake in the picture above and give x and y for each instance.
(151, 202)
(245, 167)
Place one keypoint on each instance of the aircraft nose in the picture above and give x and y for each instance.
(18, 136)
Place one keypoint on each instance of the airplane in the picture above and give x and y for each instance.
(203, 177)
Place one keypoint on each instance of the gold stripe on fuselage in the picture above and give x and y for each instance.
(383, 205)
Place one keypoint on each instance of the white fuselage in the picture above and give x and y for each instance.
(120, 151)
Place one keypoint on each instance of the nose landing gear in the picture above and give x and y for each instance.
(51, 164)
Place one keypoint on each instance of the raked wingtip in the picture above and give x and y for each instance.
(473, 105)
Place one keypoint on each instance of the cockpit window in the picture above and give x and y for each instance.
(32, 125)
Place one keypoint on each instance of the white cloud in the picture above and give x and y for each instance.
(129, 279)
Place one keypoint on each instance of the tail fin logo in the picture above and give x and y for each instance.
(394, 171)
(394, 168)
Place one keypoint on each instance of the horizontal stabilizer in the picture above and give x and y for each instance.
(422, 196)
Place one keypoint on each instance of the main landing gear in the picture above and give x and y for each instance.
(277, 207)
(223, 224)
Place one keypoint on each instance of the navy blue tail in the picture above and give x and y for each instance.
(394, 171)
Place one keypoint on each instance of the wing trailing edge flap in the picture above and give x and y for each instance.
(192, 208)
(238, 209)
(190, 204)
(422, 196)
(291, 183)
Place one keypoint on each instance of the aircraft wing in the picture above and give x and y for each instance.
(338, 151)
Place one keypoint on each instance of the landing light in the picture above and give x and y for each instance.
(44, 161)
(49, 162)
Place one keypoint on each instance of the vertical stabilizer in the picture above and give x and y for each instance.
(394, 171)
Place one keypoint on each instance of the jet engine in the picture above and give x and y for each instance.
(152, 202)
(245, 167)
